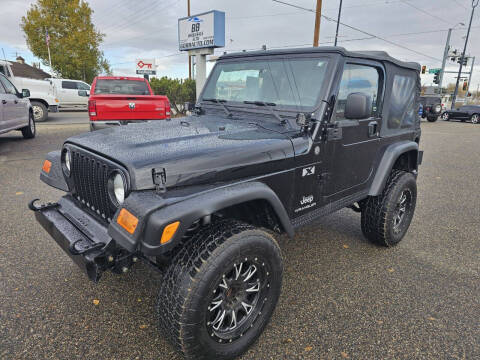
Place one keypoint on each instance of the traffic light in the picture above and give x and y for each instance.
(436, 79)
(424, 68)
(465, 85)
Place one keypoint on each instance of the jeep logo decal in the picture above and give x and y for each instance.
(306, 200)
(131, 105)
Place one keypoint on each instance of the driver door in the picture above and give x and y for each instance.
(12, 106)
(352, 153)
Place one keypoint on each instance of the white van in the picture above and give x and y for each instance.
(68, 93)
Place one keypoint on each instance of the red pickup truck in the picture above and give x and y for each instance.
(119, 100)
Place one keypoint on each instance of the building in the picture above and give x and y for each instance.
(21, 69)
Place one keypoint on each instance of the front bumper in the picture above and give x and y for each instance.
(80, 235)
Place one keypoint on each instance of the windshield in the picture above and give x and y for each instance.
(289, 82)
(124, 87)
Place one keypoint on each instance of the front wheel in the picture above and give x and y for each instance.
(475, 118)
(40, 111)
(29, 131)
(386, 218)
(220, 290)
(445, 117)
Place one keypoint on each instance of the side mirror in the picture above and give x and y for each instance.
(358, 106)
(82, 93)
(25, 93)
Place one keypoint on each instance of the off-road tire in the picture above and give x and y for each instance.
(191, 281)
(475, 118)
(40, 111)
(432, 118)
(29, 131)
(378, 212)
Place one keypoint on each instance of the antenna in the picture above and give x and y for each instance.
(4, 57)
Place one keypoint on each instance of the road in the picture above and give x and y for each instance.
(343, 298)
(67, 117)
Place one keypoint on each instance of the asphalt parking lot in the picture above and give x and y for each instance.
(343, 298)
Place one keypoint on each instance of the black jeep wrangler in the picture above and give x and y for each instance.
(432, 107)
(277, 139)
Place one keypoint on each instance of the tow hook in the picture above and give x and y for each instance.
(33, 207)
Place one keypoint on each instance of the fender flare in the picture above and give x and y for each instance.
(385, 166)
(195, 207)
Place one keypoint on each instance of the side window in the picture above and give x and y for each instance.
(358, 78)
(402, 103)
(69, 85)
(2, 89)
(82, 86)
(9, 87)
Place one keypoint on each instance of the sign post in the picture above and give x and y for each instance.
(199, 35)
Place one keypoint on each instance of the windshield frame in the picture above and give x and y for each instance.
(295, 109)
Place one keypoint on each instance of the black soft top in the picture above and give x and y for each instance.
(373, 55)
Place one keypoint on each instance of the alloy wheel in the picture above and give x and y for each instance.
(401, 210)
(238, 300)
(445, 116)
(475, 118)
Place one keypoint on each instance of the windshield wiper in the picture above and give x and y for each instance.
(221, 102)
(268, 105)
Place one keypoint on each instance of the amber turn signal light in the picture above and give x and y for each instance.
(46, 166)
(127, 220)
(169, 231)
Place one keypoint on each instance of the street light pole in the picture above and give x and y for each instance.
(189, 57)
(338, 21)
(454, 98)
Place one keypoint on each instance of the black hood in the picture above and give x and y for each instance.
(192, 150)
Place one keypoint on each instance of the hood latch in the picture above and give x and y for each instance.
(160, 180)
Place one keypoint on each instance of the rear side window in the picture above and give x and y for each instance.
(402, 103)
(121, 86)
(82, 86)
(69, 85)
(358, 78)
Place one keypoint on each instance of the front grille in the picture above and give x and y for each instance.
(90, 178)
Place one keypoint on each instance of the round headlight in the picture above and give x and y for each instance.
(67, 162)
(119, 188)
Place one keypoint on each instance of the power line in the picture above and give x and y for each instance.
(424, 12)
(359, 30)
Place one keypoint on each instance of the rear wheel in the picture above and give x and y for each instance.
(386, 218)
(475, 118)
(220, 290)
(40, 111)
(446, 117)
(29, 131)
(432, 118)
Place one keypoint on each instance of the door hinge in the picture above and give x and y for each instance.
(331, 132)
(160, 180)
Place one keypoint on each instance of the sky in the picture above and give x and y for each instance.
(415, 30)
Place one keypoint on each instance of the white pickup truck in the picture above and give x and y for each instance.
(42, 92)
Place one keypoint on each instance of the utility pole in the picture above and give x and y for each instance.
(454, 98)
(189, 57)
(318, 15)
(469, 79)
(444, 61)
(338, 21)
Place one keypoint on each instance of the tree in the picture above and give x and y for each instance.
(74, 41)
(178, 91)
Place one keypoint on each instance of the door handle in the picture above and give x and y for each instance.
(15, 101)
(4, 101)
(372, 129)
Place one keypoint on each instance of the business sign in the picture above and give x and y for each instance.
(145, 66)
(433, 71)
(206, 30)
